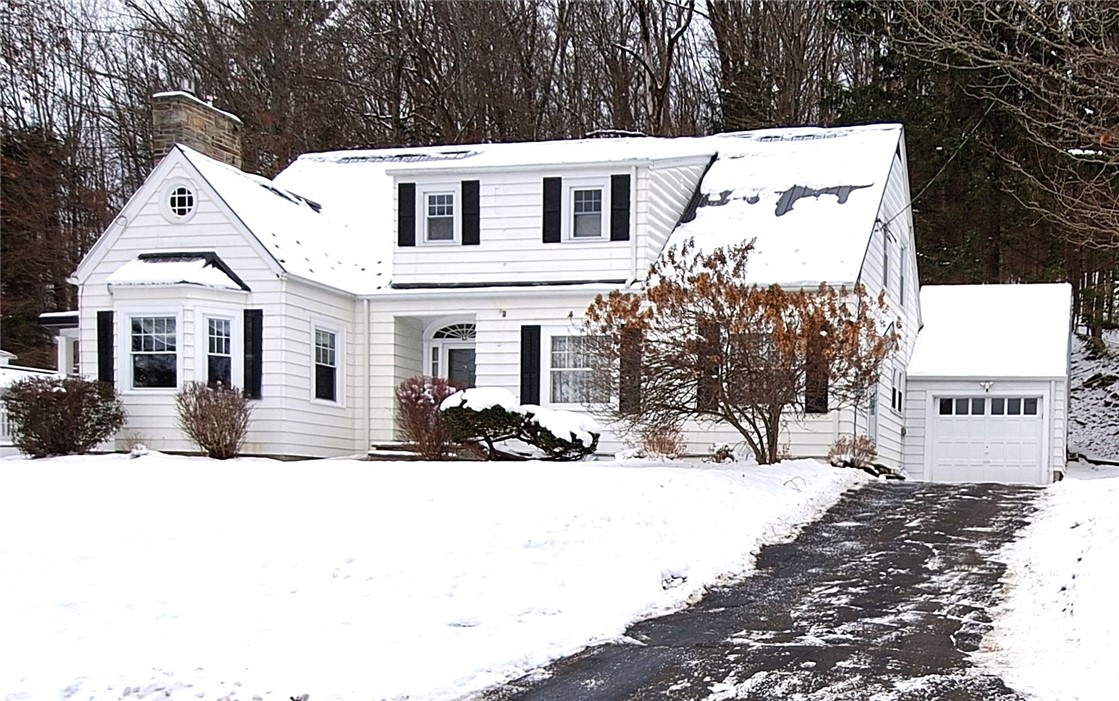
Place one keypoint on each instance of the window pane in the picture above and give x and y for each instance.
(998, 406)
(219, 370)
(1014, 406)
(460, 365)
(587, 226)
(152, 370)
(324, 347)
(587, 201)
(945, 407)
(440, 229)
(978, 406)
(324, 383)
(1029, 406)
(441, 205)
(435, 361)
(961, 407)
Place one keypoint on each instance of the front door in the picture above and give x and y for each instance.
(460, 365)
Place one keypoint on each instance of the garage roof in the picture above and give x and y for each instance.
(983, 331)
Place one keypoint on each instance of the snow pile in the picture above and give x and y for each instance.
(176, 578)
(1060, 613)
(1094, 400)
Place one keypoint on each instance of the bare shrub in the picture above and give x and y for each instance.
(663, 441)
(62, 416)
(419, 419)
(215, 417)
(853, 451)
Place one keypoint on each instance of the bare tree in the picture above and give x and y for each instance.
(702, 344)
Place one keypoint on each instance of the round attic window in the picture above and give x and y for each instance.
(181, 201)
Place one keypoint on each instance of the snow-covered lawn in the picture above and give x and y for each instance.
(183, 578)
(1055, 635)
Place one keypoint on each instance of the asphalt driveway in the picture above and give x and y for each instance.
(879, 600)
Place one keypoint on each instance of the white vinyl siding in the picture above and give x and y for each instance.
(285, 421)
(511, 249)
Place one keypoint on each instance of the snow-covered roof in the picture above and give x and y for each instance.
(988, 331)
(10, 374)
(312, 240)
(808, 197)
(567, 152)
(175, 269)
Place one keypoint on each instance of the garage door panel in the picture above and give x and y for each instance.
(987, 439)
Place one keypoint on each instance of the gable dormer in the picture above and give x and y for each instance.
(537, 223)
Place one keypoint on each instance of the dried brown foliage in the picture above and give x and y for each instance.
(419, 419)
(664, 441)
(853, 451)
(215, 417)
(716, 349)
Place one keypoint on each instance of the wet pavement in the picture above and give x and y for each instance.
(880, 600)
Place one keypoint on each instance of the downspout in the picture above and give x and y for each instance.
(367, 410)
(1052, 425)
(632, 227)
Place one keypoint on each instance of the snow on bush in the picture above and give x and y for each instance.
(62, 416)
(489, 415)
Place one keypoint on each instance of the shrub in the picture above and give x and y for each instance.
(418, 416)
(560, 435)
(853, 451)
(665, 441)
(62, 416)
(215, 417)
(487, 417)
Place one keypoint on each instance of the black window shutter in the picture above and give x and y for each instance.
(553, 202)
(530, 364)
(254, 351)
(619, 208)
(816, 378)
(471, 222)
(707, 384)
(105, 347)
(406, 214)
(629, 391)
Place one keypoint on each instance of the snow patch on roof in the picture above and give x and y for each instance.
(162, 271)
(988, 331)
(807, 197)
(310, 240)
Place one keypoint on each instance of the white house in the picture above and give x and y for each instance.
(323, 289)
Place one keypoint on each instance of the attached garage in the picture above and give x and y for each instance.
(987, 386)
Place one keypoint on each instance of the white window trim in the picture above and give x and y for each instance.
(567, 214)
(339, 363)
(122, 358)
(236, 342)
(546, 336)
(440, 188)
(165, 200)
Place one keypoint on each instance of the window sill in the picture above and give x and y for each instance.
(328, 403)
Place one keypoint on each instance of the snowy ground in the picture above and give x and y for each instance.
(184, 578)
(1055, 634)
(1094, 400)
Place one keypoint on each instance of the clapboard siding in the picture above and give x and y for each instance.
(511, 249)
(670, 190)
(895, 234)
(285, 421)
(916, 430)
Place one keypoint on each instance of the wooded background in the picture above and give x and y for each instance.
(1011, 107)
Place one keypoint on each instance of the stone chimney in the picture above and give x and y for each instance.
(181, 118)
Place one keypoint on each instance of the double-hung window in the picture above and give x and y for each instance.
(219, 352)
(586, 213)
(572, 372)
(439, 216)
(326, 365)
(154, 351)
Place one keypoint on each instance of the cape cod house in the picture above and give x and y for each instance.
(321, 290)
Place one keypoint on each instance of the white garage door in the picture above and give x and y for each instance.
(987, 439)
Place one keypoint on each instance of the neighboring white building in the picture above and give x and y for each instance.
(323, 289)
(988, 385)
